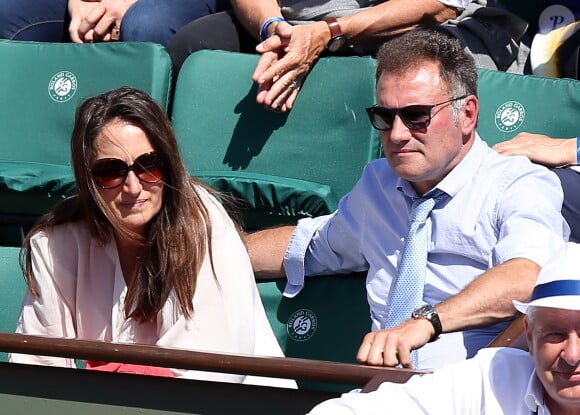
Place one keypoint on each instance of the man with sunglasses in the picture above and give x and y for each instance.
(495, 223)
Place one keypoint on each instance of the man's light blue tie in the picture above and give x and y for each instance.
(407, 289)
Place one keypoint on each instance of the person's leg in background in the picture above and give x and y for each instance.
(571, 207)
(36, 20)
(158, 20)
(219, 31)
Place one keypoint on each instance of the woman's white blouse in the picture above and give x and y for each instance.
(82, 294)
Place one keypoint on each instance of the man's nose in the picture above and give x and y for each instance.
(399, 133)
(571, 351)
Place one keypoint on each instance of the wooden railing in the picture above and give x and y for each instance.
(368, 377)
(291, 368)
(512, 336)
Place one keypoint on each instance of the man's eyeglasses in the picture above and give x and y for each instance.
(415, 117)
(110, 173)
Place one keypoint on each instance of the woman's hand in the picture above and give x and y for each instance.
(541, 149)
(97, 21)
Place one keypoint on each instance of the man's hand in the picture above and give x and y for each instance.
(392, 347)
(552, 152)
(287, 57)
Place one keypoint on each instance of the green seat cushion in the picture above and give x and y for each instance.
(270, 200)
(33, 188)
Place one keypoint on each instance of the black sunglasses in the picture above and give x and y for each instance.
(415, 117)
(110, 172)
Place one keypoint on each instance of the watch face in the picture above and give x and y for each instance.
(336, 43)
(423, 311)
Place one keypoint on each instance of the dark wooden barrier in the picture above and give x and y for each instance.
(29, 389)
(512, 336)
(291, 368)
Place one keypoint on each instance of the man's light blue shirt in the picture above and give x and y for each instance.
(499, 208)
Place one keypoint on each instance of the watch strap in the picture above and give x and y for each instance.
(436, 322)
(334, 27)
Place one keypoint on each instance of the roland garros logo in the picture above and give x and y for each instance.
(62, 86)
(302, 325)
(510, 116)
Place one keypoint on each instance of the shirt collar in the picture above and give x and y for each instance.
(534, 397)
(456, 179)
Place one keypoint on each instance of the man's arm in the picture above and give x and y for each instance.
(393, 17)
(252, 14)
(487, 300)
(291, 51)
(266, 249)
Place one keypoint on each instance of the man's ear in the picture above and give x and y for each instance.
(528, 330)
(470, 113)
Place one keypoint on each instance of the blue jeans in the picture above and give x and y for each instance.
(147, 20)
(41, 20)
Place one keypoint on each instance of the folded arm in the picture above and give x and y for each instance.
(487, 300)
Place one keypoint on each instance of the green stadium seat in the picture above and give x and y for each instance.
(286, 166)
(42, 83)
(511, 104)
(325, 139)
(327, 320)
(12, 290)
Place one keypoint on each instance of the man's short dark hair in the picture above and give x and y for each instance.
(413, 48)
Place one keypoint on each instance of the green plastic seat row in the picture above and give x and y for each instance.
(227, 139)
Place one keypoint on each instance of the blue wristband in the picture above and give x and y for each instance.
(266, 25)
(578, 150)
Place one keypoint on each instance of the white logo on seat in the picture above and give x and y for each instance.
(510, 116)
(62, 86)
(301, 325)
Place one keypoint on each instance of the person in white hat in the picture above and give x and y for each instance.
(543, 381)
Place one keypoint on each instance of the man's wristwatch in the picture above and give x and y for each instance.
(337, 38)
(427, 312)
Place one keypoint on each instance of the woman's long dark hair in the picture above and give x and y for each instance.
(178, 237)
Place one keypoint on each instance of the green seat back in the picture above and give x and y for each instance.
(286, 166)
(326, 139)
(42, 84)
(327, 320)
(510, 104)
(12, 289)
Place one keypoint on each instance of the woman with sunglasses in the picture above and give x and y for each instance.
(143, 253)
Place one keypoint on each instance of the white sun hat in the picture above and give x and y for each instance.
(558, 284)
